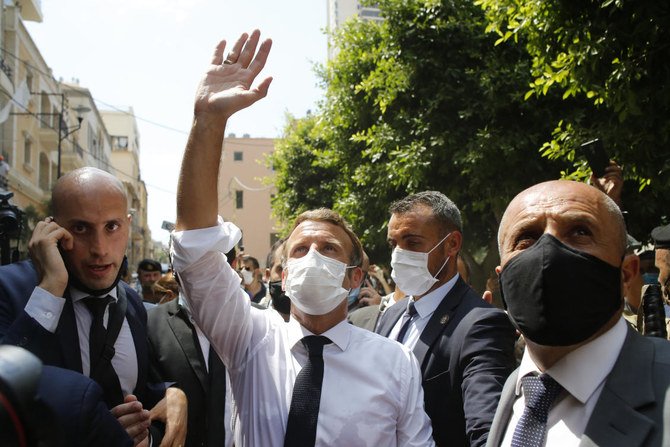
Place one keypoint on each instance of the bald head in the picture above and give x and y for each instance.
(87, 180)
(579, 215)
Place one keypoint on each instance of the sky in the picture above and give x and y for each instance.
(150, 55)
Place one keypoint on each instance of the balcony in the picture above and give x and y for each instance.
(31, 10)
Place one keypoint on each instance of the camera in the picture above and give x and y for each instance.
(653, 312)
(11, 218)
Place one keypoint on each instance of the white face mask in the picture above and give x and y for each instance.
(410, 270)
(247, 276)
(314, 283)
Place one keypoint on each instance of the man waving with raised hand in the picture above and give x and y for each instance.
(311, 381)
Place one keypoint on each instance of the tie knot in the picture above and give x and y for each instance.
(411, 309)
(314, 344)
(97, 305)
(540, 391)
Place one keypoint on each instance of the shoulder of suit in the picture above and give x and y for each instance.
(22, 272)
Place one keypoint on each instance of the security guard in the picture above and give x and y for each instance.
(148, 272)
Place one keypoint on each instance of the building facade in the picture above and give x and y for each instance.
(246, 191)
(125, 165)
(341, 10)
(48, 128)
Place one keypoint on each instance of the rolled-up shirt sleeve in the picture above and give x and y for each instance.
(212, 288)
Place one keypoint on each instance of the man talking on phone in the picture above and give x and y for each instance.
(68, 306)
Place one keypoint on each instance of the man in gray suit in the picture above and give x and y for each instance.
(586, 378)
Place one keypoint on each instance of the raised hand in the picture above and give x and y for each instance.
(46, 256)
(226, 86)
(611, 183)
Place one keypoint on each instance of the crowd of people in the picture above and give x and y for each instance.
(323, 348)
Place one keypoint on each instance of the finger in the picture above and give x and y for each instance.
(135, 423)
(261, 57)
(249, 48)
(262, 88)
(217, 58)
(130, 406)
(234, 53)
(142, 438)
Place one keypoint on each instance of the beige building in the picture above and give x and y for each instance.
(245, 192)
(49, 127)
(125, 164)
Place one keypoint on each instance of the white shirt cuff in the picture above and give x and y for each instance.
(190, 245)
(45, 308)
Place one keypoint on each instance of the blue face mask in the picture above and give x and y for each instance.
(650, 278)
(353, 295)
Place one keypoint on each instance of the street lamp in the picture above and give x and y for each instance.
(61, 123)
(68, 130)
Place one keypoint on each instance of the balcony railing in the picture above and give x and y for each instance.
(6, 69)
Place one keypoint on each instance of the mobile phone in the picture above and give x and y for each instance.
(596, 156)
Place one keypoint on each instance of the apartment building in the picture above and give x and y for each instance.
(125, 165)
(245, 192)
(341, 10)
(49, 127)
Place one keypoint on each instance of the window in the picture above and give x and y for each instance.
(45, 116)
(237, 156)
(119, 143)
(239, 199)
(27, 150)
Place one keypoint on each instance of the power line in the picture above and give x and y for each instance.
(116, 108)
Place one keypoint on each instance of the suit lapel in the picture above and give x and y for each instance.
(504, 411)
(68, 336)
(187, 338)
(391, 317)
(615, 420)
(438, 321)
(139, 335)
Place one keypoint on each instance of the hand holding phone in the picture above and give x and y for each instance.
(45, 246)
(595, 155)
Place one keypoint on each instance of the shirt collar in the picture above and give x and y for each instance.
(340, 334)
(427, 304)
(78, 295)
(593, 361)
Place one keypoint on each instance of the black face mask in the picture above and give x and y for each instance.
(558, 296)
(77, 284)
(280, 301)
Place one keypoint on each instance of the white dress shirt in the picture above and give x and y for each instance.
(425, 307)
(264, 355)
(582, 374)
(46, 309)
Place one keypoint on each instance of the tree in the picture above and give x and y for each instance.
(423, 100)
(613, 54)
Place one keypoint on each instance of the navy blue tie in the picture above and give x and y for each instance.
(539, 393)
(304, 412)
(407, 316)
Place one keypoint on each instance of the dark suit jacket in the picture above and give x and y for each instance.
(61, 349)
(465, 353)
(633, 409)
(81, 416)
(177, 357)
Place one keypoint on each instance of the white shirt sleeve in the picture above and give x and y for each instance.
(212, 289)
(45, 308)
(414, 427)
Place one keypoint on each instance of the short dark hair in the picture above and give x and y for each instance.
(445, 211)
(274, 251)
(254, 261)
(330, 216)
